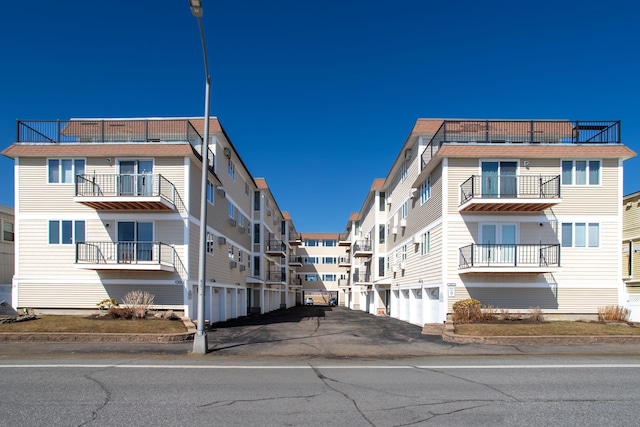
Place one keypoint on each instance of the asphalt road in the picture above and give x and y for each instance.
(174, 391)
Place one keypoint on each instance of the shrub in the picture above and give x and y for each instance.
(120, 312)
(467, 311)
(613, 313)
(139, 302)
(107, 303)
(536, 315)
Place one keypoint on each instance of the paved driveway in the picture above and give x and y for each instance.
(324, 332)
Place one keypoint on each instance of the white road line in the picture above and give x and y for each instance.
(362, 367)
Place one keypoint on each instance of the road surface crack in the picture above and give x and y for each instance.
(101, 406)
(264, 399)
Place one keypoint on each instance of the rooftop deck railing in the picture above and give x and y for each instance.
(510, 186)
(509, 255)
(126, 185)
(110, 131)
(125, 253)
(522, 132)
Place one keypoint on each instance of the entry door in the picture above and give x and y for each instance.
(136, 177)
(135, 241)
(498, 243)
(499, 179)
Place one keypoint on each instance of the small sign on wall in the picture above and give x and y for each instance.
(451, 287)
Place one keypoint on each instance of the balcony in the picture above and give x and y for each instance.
(145, 256)
(509, 193)
(110, 192)
(276, 248)
(362, 248)
(276, 276)
(344, 239)
(521, 132)
(295, 261)
(344, 261)
(344, 283)
(362, 278)
(295, 239)
(509, 258)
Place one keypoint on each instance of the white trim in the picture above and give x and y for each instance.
(445, 240)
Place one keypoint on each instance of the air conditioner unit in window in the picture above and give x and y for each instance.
(241, 229)
(233, 264)
(222, 240)
(403, 222)
(414, 193)
(394, 268)
(417, 239)
(221, 192)
(232, 222)
(394, 230)
(401, 266)
(227, 152)
(242, 267)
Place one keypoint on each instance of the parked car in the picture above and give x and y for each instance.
(308, 301)
(333, 301)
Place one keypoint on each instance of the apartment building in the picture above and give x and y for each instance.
(7, 257)
(107, 206)
(515, 213)
(322, 266)
(631, 252)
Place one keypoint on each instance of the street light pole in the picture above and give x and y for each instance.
(200, 344)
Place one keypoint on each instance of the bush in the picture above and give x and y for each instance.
(613, 313)
(120, 312)
(536, 315)
(139, 302)
(107, 303)
(467, 311)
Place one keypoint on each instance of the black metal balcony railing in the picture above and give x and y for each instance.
(361, 277)
(109, 131)
(344, 260)
(510, 186)
(343, 237)
(125, 253)
(276, 276)
(275, 245)
(509, 255)
(362, 246)
(126, 185)
(522, 132)
(296, 259)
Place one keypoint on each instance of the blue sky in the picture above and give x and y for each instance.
(334, 86)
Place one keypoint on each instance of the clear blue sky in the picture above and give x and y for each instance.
(318, 97)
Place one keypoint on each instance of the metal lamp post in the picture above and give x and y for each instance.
(200, 344)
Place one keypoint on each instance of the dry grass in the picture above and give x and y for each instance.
(80, 324)
(546, 328)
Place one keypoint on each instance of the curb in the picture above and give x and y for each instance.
(448, 335)
(90, 337)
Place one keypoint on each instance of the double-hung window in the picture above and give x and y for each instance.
(66, 232)
(210, 190)
(580, 235)
(426, 243)
(425, 190)
(231, 169)
(63, 171)
(581, 172)
(405, 209)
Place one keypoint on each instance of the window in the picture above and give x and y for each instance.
(405, 209)
(66, 232)
(210, 243)
(311, 260)
(405, 170)
(256, 201)
(246, 189)
(328, 277)
(381, 266)
(328, 260)
(311, 242)
(404, 252)
(240, 220)
(381, 234)
(426, 243)
(256, 233)
(425, 191)
(329, 243)
(249, 262)
(7, 231)
(249, 228)
(210, 192)
(580, 235)
(63, 171)
(232, 211)
(311, 277)
(240, 257)
(580, 172)
(256, 266)
(232, 251)
(382, 202)
(231, 169)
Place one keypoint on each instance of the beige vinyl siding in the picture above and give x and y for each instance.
(603, 199)
(631, 221)
(428, 267)
(459, 170)
(87, 295)
(549, 300)
(173, 170)
(420, 216)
